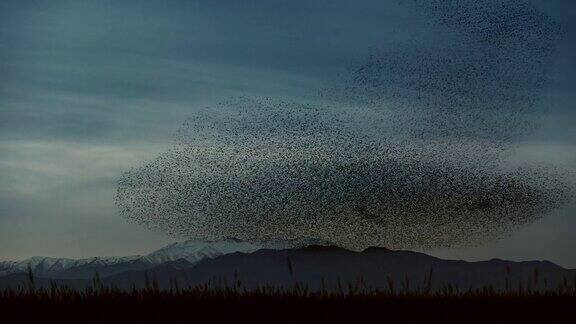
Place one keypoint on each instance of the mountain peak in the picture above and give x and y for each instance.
(323, 248)
(376, 249)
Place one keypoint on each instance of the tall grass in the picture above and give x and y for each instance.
(402, 301)
(223, 289)
(352, 303)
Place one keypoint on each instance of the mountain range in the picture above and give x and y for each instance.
(190, 252)
(283, 264)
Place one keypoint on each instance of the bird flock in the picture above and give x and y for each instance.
(407, 151)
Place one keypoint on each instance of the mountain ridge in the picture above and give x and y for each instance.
(285, 263)
(190, 250)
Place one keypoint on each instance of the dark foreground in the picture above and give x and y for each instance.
(209, 305)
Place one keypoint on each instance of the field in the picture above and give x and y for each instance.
(207, 304)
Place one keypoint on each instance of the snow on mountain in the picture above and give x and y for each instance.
(191, 251)
(194, 251)
(47, 265)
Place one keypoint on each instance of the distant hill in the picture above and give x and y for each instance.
(320, 267)
(373, 268)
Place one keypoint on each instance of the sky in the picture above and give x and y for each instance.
(90, 89)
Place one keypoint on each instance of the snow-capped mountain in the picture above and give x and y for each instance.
(194, 251)
(44, 266)
(318, 267)
(191, 251)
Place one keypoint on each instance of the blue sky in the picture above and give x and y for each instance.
(89, 89)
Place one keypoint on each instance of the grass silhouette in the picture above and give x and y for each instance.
(298, 304)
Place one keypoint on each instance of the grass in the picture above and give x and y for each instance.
(235, 304)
